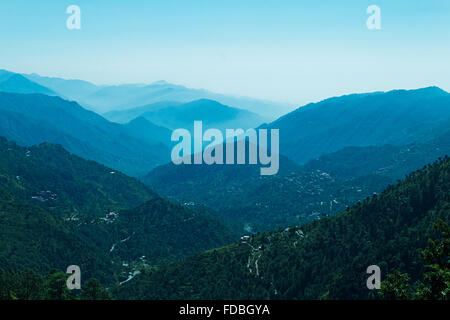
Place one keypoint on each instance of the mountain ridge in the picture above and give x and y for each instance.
(16, 83)
(395, 117)
(96, 138)
(120, 97)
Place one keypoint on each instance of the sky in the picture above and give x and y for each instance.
(286, 51)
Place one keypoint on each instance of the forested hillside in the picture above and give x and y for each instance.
(29, 285)
(324, 259)
(57, 209)
(51, 177)
(388, 161)
(297, 194)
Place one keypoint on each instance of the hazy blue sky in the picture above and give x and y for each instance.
(294, 51)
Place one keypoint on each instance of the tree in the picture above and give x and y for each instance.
(396, 287)
(436, 277)
(57, 287)
(93, 290)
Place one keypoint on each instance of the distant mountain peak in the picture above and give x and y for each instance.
(17, 83)
(139, 119)
(433, 89)
(142, 121)
(426, 92)
(205, 101)
(160, 82)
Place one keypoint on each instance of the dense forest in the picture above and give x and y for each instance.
(297, 194)
(389, 161)
(324, 259)
(28, 285)
(261, 203)
(435, 282)
(57, 209)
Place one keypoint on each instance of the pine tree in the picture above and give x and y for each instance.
(436, 277)
(93, 290)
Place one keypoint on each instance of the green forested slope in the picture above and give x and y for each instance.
(57, 209)
(327, 258)
(50, 176)
(297, 194)
(392, 162)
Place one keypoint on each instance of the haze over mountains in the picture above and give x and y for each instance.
(397, 117)
(13, 82)
(356, 130)
(130, 156)
(106, 98)
(34, 118)
(182, 115)
(142, 139)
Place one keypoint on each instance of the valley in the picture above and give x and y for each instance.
(68, 195)
(108, 218)
(224, 159)
(323, 259)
